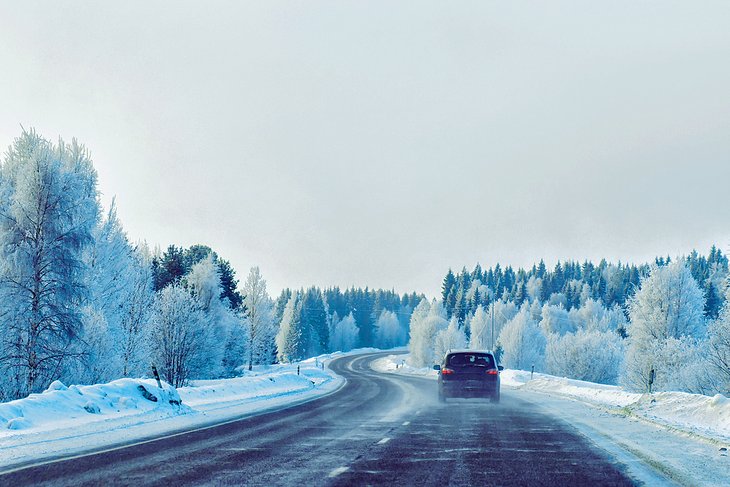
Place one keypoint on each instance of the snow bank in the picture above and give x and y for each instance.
(695, 413)
(705, 416)
(399, 364)
(599, 394)
(127, 403)
(61, 406)
(253, 386)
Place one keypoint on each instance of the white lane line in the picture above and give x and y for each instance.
(383, 441)
(406, 423)
(339, 470)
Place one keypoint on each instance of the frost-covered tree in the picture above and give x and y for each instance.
(523, 342)
(419, 340)
(555, 319)
(389, 332)
(99, 358)
(120, 297)
(669, 304)
(503, 311)
(345, 334)
(259, 314)
(592, 315)
(718, 348)
(178, 336)
(588, 355)
(292, 340)
(668, 308)
(480, 326)
(426, 321)
(48, 211)
(224, 330)
(137, 308)
(451, 338)
(314, 318)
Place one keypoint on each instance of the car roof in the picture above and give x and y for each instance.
(451, 352)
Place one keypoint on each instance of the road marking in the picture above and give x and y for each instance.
(418, 412)
(406, 423)
(383, 441)
(339, 470)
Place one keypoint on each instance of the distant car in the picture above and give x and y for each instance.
(469, 373)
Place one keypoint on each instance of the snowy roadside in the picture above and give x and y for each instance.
(70, 420)
(704, 416)
(683, 436)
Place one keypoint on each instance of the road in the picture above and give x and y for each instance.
(378, 429)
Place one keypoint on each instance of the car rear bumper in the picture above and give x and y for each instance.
(468, 389)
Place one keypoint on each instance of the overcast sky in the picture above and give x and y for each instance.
(380, 143)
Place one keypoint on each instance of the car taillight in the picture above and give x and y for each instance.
(446, 371)
(492, 372)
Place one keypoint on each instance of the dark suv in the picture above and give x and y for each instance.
(469, 373)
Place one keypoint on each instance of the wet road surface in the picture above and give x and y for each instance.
(379, 429)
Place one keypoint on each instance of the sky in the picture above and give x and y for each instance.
(379, 143)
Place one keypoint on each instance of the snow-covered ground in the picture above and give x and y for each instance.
(65, 420)
(685, 437)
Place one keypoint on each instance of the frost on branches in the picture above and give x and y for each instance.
(666, 319)
(523, 342)
(48, 210)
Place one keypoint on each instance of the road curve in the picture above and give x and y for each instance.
(378, 429)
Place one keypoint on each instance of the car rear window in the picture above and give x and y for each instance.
(471, 359)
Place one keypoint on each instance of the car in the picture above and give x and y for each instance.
(469, 374)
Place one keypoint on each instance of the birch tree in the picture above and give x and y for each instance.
(177, 335)
(48, 210)
(259, 319)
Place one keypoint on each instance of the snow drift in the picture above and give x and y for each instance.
(80, 404)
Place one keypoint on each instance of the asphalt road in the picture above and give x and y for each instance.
(378, 429)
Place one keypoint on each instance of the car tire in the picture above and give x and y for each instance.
(442, 398)
(495, 398)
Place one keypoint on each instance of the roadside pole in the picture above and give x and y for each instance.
(157, 376)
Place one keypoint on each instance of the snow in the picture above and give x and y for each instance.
(65, 420)
(61, 405)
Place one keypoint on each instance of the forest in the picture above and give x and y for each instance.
(664, 324)
(82, 304)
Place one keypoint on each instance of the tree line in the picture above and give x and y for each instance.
(315, 321)
(82, 304)
(570, 283)
(611, 324)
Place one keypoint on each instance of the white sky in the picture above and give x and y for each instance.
(379, 143)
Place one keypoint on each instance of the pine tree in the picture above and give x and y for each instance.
(446, 291)
(713, 303)
(462, 307)
(314, 318)
(292, 340)
(259, 319)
